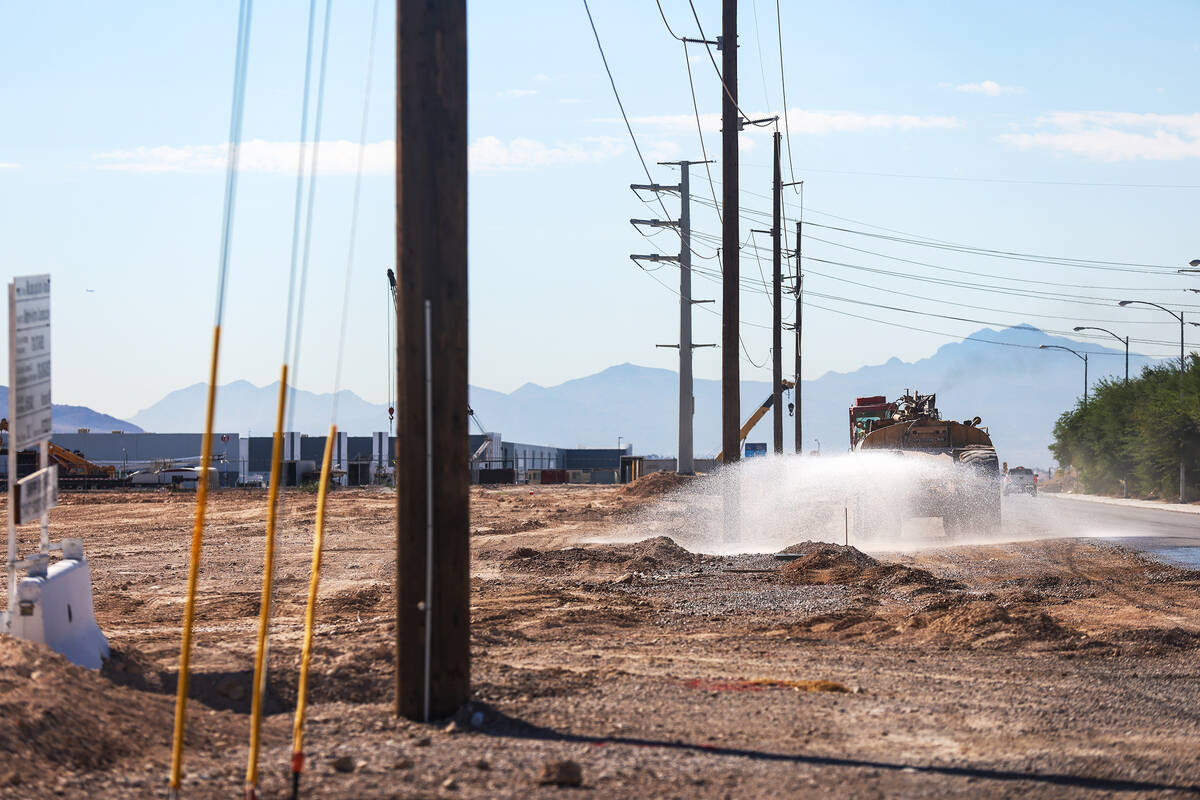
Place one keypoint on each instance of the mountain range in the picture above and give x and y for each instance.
(68, 419)
(1018, 392)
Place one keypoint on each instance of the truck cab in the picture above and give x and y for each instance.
(867, 414)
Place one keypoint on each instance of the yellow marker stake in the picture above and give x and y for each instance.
(314, 582)
(189, 609)
(264, 613)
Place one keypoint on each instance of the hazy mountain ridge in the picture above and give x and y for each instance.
(68, 418)
(1019, 393)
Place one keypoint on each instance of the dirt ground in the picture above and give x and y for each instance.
(1063, 668)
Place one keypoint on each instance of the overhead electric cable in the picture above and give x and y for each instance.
(664, 19)
(699, 132)
(783, 85)
(331, 441)
(952, 318)
(282, 411)
(621, 105)
(242, 52)
(1031, 182)
(957, 336)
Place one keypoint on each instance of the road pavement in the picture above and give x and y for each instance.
(1171, 535)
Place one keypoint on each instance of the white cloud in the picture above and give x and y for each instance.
(341, 157)
(338, 157)
(1113, 135)
(811, 122)
(8, 165)
(516, 93)
(488, 153)
(989, 88)
(541, 76)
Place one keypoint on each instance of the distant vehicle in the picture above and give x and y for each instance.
(1021, 480)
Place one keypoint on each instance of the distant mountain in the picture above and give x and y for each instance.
(1017, 391)
(245, 408)
(68, 419)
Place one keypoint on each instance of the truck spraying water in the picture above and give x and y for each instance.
(962, 482)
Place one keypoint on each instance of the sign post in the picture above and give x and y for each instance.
(29, 415)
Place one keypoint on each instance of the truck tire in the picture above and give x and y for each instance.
(982, 511)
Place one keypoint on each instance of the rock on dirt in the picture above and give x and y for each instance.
(561, 773)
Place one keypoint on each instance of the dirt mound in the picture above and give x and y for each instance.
(656, 483)
(825, 563)
(361, 598)
(985, 623)
(657, 554)
(55, 715)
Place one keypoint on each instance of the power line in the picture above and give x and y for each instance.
(952, 318)
(910, 276)
(956, 336)
(621, 105)
(1028, 182)
(1113, 266)
(942, 301)
(1065, 261)
(783, 85)
(699, 132)
(664, 19)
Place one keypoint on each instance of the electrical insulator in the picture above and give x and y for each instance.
(791, 409)
(391, 413)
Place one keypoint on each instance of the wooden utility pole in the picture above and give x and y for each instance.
(432, 549)
(731, 411)
(777, 303)
(799, 289)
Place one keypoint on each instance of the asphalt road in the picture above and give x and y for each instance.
(1171, 535)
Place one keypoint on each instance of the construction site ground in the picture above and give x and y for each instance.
(1044, 668)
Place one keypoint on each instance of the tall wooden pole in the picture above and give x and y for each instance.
(432, 548)
(731, 411)
(777, 304)
(799, 432)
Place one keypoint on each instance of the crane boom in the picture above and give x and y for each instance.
(758, 414)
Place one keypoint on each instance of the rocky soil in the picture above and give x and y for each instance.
(631, 668)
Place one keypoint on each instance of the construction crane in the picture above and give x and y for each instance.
(70, 463)
(758, 414)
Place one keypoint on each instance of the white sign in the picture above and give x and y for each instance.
(37, 494)
(29, 360)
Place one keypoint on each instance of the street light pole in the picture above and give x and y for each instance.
(1179, 316)
(1123, 340)
(1082, 356)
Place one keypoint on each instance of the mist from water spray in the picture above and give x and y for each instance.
(878, 501)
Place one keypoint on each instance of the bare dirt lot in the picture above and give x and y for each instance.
(1063, 668)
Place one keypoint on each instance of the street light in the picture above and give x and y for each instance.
(1118, 338)
(1082, 356)
(1179, 316)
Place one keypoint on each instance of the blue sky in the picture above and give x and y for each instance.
(111, 176)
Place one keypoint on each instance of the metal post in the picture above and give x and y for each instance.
(432, 563)
(1127, 359)
(685, 464)
(1182, 467)
(799, 346)
(731, 240)
(1085, 381)
(777, 304)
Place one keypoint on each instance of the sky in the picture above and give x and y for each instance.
(1069, 130)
